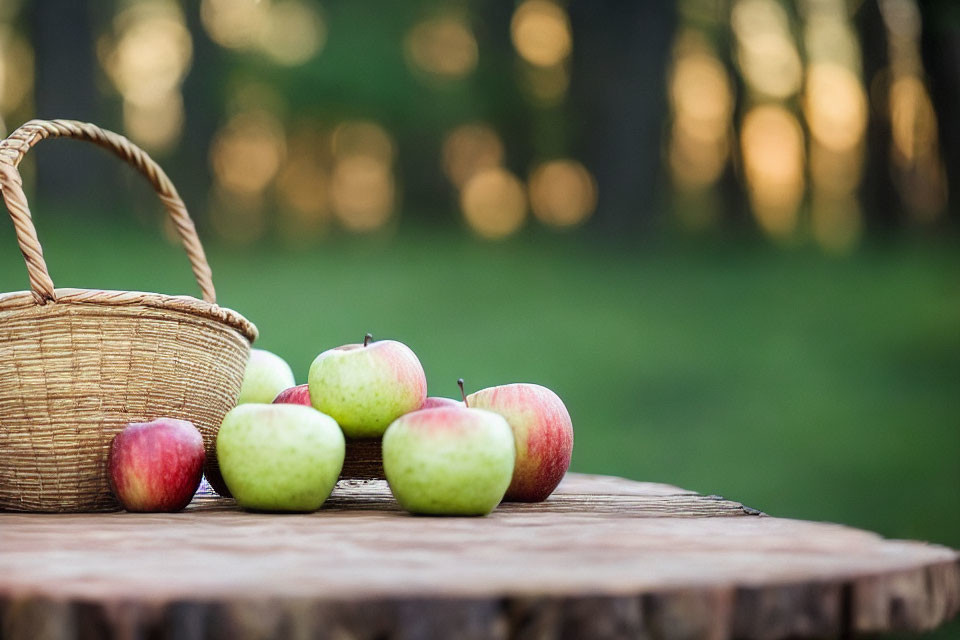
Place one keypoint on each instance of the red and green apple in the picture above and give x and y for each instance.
(543, 434)
(365, 387)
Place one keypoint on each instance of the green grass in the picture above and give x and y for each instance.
(804, 385)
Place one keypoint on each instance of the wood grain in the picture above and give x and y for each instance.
(363, 459)
(603, 558)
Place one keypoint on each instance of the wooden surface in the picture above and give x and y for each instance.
(603, 558)
(363, 459)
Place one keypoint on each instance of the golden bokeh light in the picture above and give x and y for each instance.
(246, 153)
(835, 172)
(835, 105)
(235, 24)
(362, 138)
(494, 203)
(701, 94)
(151, 53)
(836, 109)
(157, 125)
(696, 163)
(563, 193)
(540, 31)
(770, 64)
(701, 101)
(146, 58)
(918, 169)
(772, 147)
(750, 17)
(303, 190)
(829, 37)
(362, 192)
(16, 66)
(294, 32)
(303, 182)
(288, 32)
(304, 193)
(443, 46)
(468, 149)
(916, 154)
(902, 19)
(913, 121)
(766, 53)
(16, 70)
(303, 185)
(362, 184)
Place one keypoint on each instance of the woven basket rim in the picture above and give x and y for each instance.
(185, 304)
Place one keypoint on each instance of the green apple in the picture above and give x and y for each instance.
(280, 457)
(365, 387)
(449, 460)
(267, 374)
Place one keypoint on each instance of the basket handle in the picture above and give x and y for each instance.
(20, 141)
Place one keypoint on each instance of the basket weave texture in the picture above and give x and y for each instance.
(77, 365)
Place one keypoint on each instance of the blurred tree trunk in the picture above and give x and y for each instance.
(618, 83)
(66, 87)
(202, 103)
(941, 59)
(881, 203)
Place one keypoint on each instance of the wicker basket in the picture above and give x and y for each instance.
(76, 365)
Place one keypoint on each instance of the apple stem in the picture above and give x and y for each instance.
(367, 338)
(463, 394)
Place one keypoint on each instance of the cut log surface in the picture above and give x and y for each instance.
(602, 558)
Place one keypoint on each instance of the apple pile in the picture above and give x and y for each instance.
(282, 447)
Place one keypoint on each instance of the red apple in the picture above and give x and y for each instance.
(542, 431)
(156, 466)
(299, 394)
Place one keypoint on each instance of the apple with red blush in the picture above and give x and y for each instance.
(299, 394)
(280, 457)
(543, 435)
(434, 402)
(449, 460)
(365, 387)
(156, 466)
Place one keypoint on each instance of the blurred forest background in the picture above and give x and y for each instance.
(723, 230)
(811, 121)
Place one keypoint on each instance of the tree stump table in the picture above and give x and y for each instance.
(602, 558)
